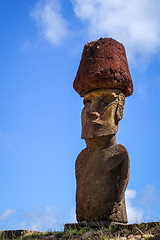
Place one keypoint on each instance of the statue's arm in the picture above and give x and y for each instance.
(80, 161)
(123, 176)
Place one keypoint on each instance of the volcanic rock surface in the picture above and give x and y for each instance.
(103, 65)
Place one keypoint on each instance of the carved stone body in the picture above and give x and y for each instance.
(102, 177)
(102, 168)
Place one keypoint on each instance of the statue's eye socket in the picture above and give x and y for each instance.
(105, 102)
(108, 100)
(87, 102)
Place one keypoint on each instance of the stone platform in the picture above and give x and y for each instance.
(97, 224)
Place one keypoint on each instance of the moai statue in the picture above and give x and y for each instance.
(102, 168)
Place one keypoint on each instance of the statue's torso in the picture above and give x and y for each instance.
(99, 175)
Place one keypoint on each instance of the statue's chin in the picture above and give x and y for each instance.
(97, 130)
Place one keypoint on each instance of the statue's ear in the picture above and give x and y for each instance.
(120, 107)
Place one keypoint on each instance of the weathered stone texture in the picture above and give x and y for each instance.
(102, 168)
(103, 109)
(102, 176)
(103, 65)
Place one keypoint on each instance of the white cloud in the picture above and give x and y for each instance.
(141, 90)
(134, 214)
(149, 197)
(134, 23)
(53, 26)
(73, 215)
(39, 219)
(7, 213)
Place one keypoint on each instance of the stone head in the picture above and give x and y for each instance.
(103, 109)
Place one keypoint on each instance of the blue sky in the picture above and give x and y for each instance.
(40, 125)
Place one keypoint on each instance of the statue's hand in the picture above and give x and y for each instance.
(116, 206)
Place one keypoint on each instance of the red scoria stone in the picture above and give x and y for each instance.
(103, 65)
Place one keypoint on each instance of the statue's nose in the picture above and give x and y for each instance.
(92, 115)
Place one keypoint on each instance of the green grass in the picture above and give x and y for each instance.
(27, 236)
(69, 232)
(34, 235)
(146, 237)
(111, 229)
